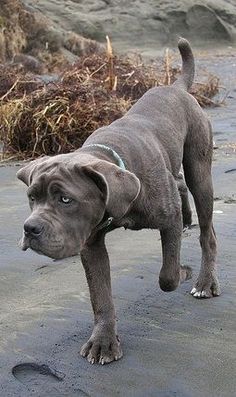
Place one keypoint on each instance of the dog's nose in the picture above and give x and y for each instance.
(32, 228)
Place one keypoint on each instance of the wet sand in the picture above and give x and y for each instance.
(174, 345)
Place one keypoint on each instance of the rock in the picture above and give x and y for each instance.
(12, 36)
(204, 23)
(149, 23)
(29, 63)
(79, 45)
(29, 38)
(61, 27)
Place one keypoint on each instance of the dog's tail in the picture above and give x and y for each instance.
(187, 75)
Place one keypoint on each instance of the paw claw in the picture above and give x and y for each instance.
(200, 294)
(91, 360)
(206, 287)
(204, 293)
(216, 292)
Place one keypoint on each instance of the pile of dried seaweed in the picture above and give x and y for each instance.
(38, 118)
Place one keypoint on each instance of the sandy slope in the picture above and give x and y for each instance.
(137, 23)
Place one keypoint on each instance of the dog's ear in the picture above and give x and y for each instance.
(25, 173)
(120, 187)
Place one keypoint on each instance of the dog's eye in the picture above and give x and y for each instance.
(31, 198)
(65, 199)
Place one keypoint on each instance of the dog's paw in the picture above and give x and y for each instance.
(185, 273)
(102, 349)
(206, 289)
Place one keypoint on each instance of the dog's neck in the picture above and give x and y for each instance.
(109, 150)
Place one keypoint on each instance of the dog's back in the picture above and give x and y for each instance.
(158, 122)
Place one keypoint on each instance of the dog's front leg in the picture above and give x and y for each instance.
(103, 345)
(172, 273)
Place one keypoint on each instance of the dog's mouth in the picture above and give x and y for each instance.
(30, 242)
(24, 243)
(56, 252)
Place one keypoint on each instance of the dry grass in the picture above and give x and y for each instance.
(204, 92)
(57, 118)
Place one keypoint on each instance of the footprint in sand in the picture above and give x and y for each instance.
(38, 376)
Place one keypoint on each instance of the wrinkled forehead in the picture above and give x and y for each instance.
(45, 172)
(61, 166)
(45, 182)
(62, 171)
(52, 176)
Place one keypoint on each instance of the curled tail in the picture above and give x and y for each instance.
(185, 80)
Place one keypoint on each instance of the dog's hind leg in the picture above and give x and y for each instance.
(172, 273)
(186, 209)
(197, 170)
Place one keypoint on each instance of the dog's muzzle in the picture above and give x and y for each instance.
(32, 231)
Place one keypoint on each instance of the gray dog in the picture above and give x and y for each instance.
(128, 174)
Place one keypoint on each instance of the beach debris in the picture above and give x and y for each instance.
(230, 170)
(39, 118)
(230, 200)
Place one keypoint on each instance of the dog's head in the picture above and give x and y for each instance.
(69, 196)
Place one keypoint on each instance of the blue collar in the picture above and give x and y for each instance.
(112, 151)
